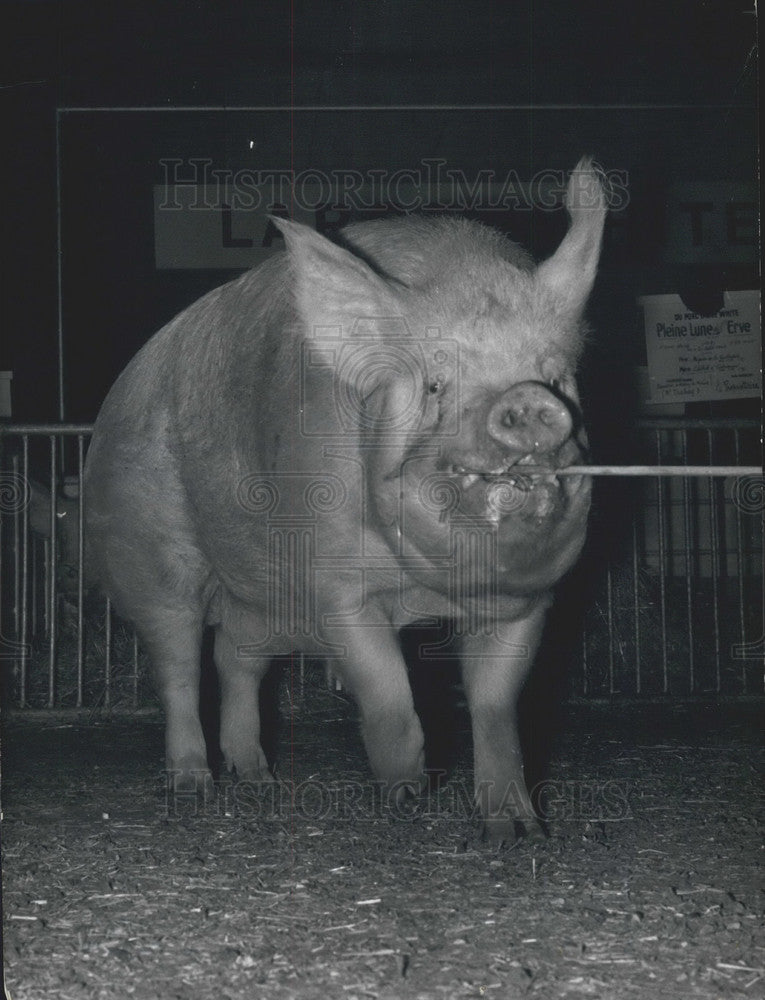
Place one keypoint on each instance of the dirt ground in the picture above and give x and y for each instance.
(648, 886)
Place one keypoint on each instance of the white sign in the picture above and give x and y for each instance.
(195, 228)
(694, 358)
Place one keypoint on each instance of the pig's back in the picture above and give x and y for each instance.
(417, 250)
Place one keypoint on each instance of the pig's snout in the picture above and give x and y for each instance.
(529, 419)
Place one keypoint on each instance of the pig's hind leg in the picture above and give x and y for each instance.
(160, 587)
(241, 667)
(173, 640)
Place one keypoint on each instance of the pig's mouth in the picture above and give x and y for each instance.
(521, 479)
(526, 487)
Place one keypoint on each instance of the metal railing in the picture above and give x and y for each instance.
(681, 597)
(666, 601)
(43, 605)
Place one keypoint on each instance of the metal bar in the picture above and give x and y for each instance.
(740, 573)
(714, 542)
(661, 515)
(610, 617)
(636, 602)
(394, 108)
(678, 471)
(585, 665)
(688, 569)
(696, 423)
(35, 555)
(3, 524)
(59, 274)
(80, 568)
(714, 534)
(47, 562)
(135, 668)
(52, 586)
(45, 429)
(108, 654)
(16, 520)
(24, 634)
(59, 295)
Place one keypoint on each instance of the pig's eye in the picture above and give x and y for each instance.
(555, 384)
(435, 386)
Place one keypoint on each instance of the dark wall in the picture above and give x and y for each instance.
(683, 70)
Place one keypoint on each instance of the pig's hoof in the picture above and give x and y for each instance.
(188, 783)
(253, 776)
(248, 764)
(532, 832)
(505, 832)
(401, 797)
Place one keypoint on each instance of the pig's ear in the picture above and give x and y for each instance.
(570, 273)
(332, 286)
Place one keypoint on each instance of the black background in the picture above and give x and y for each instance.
(679, 80)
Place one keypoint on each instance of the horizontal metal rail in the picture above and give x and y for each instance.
(652, 470)
(698, 423)
(45, 428)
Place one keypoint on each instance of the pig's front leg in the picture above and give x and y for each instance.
(374, 671)
(494, 669)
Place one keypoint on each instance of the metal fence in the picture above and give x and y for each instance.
(667, 599)
(679, 604)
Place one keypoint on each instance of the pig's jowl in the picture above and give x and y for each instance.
(334, 446)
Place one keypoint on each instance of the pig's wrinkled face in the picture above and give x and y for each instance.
(464, 359)
(511, 405)
(496, 423)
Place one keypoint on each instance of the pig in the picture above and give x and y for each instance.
(355, 436)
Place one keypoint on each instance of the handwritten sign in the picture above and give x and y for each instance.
(694, 358)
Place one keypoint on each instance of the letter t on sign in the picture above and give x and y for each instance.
(696, 210)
